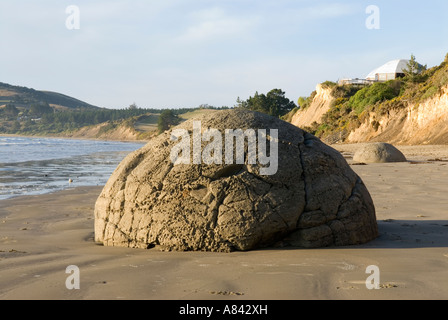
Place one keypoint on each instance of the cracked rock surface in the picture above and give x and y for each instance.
(313, 200)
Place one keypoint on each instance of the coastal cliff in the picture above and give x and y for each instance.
(101, 131)
(400, 111)
(418, 123)
(320, 104)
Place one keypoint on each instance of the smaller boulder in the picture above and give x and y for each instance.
(379, 152)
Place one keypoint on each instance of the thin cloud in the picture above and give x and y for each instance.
(328, 10)
(215, 23)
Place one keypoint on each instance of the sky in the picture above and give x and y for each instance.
(184, 53)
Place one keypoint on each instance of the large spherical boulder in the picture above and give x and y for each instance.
(378, 152)
(306, 195)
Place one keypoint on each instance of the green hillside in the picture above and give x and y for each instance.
(27, 111)
(23, 97)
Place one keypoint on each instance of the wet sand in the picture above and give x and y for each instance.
(41, 235)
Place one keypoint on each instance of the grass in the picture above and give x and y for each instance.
(147, 123)
(195, 113)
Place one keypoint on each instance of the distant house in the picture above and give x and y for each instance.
(390, 70)
(355, 81)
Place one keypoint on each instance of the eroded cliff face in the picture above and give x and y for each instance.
(418, 123)
(121, 132)
(424, 122)
(319, 106)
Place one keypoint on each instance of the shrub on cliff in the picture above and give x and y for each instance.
(377, 92)
(166, 119)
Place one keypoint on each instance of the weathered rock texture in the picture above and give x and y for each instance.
(378, 152)
(313, 200)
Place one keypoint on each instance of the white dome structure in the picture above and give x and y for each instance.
(391, 70)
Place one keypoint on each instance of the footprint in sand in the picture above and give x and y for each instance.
(227, 293)
(388, 285)
(13, 251)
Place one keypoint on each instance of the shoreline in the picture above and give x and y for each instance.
(34, 165)
(50, 192)
(9, 135)
(42, 235)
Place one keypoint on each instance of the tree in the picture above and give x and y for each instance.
(273, 103)
(166, 119)
(279, 105)
(10, 110)
(413, 68)
(38, 109)
(133, 106)
(16, 126)
(239, 103)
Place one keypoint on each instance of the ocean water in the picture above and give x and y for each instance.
(31, 166)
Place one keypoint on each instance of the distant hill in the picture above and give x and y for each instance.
(23, 97)
(30, 112)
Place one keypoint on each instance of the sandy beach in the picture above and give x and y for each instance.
(41, 235)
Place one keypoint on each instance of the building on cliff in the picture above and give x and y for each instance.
(388, 71)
